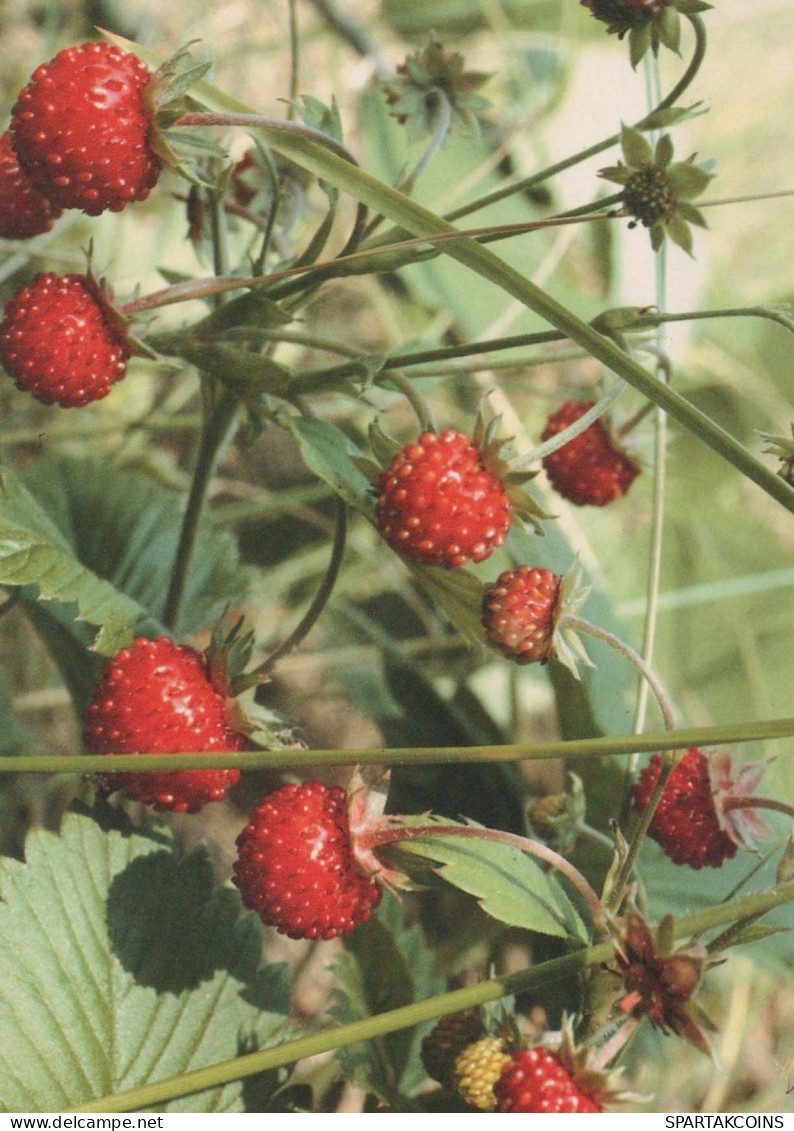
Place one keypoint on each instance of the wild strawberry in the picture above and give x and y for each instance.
(447, 1040)
(591, 469)
(440, 505)
(61, 340)
(24, 212)
(703, 815)
(158, 697)
(297, 865)
(82, 129)
(520, 611)
(536, 1081)
(477, 1068)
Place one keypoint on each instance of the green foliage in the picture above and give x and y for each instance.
(122, 964)
(508, 883)
(385, 965)
(106, 539)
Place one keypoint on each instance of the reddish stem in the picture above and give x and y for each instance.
(389, 833)
(756, 803)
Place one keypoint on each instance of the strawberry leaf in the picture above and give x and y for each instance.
(330, 455)
(33, 551)
(509, 884)
(385, 965)
(122, 964)
(124, 528)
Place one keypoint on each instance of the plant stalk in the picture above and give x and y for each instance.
(570, 749)
(218, 423)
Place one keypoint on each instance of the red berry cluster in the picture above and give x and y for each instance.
(157, 697)
(82, 129)
(592, 469)
(439, 504)
(296, 864)
(60, 341)
(536, 1081)
(685, 823)
(82, 135)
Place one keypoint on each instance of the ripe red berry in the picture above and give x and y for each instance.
(591, 469)
(157, 697)
(60, 341)
(440, 505)
(685, 823)
(24, 212)
(536, 1081)
(520, 612)
(82, 129)
(297, 866)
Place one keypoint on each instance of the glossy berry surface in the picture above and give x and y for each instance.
(24, 212)
(157, 698)
(536, 1081)
(439, 504)
(685, 823)
(520, 612)
(82, 129)
(296, 866)
(59, 343)
(592, 469)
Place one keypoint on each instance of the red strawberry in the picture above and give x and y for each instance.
(695, 822)
(591, 469)
(82, 129)
(157, 697)
(520, 612)
(24, 212)
(440, 505)
(297, 866)
(61, 341)
(536, 1081)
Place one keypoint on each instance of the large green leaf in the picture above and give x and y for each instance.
(122, 964)
(33, 551)
(125, 528)
(508, 883)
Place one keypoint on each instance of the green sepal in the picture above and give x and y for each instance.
(687, 180)
(667, 28)
(640, 40)
(636, 148)
(678, 231)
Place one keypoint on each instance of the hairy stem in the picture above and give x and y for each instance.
(570, 749)
(312, 614)
(219, 420)
(648, 674)
(396, 834)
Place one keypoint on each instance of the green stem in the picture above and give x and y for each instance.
(310, 617)
(647, 673)
(218, 422)
(423, 411)
(571, 432)
(530, 182)
(659, 489)
(294, 56)
(437, 140)
(557, 970)
(570, 749)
